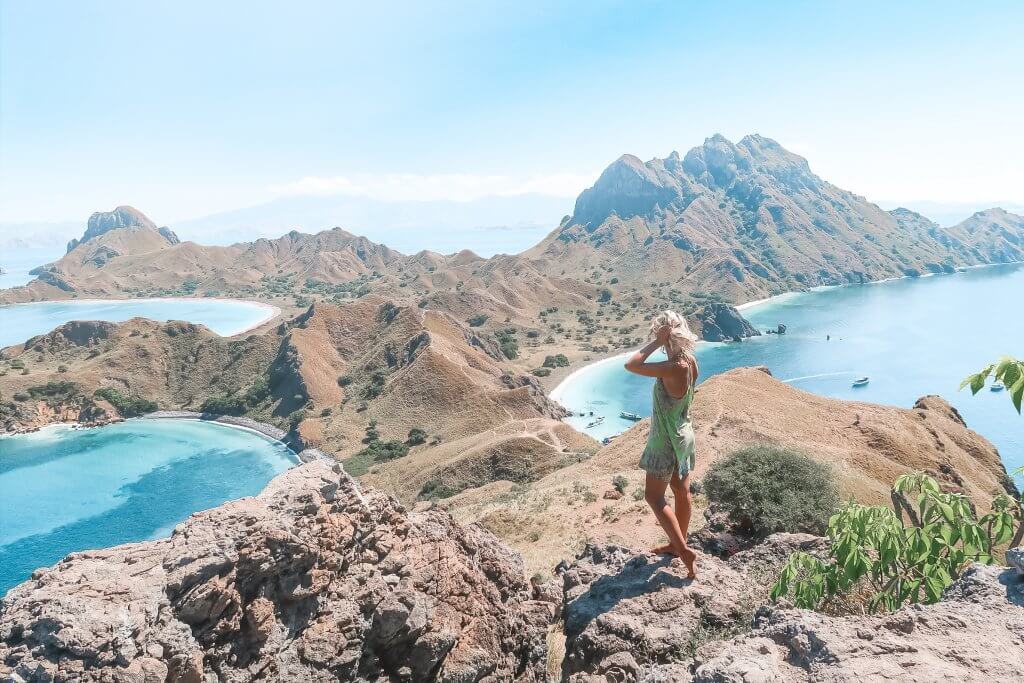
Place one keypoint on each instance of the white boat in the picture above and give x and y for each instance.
(861, 382)
(997, 386)
(630, 416)
(596, 422)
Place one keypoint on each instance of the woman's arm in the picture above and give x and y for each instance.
(637, 362)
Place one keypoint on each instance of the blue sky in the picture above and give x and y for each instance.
(184, 109)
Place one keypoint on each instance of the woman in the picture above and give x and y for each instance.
(668, 458)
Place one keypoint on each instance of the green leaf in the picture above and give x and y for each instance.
(1017, 393)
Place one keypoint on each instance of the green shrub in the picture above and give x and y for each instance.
(620, 483)
(224, 405)
(877, 556)
(344, 381)
(540, 372)
(435, 489)
(58, 390)
(477, 320)
(296, 417)
(767, 488)
(556, 361)
(128, 406)
(416, 436)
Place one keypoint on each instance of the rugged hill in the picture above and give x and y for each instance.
(334, 373)
(868, 446)
(750, 219)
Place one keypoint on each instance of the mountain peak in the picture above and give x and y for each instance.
(123, 217)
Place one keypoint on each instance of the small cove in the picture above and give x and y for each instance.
(226, 317)
(912, 336)
(64, 489)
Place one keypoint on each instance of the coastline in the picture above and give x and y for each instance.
(556, 393)
(271, 310)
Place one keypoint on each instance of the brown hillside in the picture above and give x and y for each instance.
(868, 447)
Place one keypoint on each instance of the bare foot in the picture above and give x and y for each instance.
(689, 558)
(663, 550)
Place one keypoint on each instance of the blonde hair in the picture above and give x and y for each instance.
(681, 338)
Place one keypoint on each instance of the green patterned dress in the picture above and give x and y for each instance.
(671, 446)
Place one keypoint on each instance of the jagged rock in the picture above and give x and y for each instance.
(632, 617)
(976, 633)
(721, 322)
(312, 580)
(103, 222)
(1015, 558)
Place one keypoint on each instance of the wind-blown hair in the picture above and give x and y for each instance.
(681, 338)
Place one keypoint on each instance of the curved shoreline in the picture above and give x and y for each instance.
(271, 310)
(268, 431)
(556, 393)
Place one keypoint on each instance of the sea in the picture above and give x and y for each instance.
(909, 336)
(64, 489)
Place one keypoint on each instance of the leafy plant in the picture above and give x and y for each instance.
(1009, 371)
(766, 488)
(896, 561)
(620, 483)
(416, 436)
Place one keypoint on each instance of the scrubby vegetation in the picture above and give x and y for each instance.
(556, 361)
(765, 488)
(378, 451)
(886, 558)
(128, 406)
(509, 344)
(416, 437)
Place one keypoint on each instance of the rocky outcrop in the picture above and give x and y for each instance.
(633, 617)
(976, 633)
(123, 217)
(313, 580)
(722, 322)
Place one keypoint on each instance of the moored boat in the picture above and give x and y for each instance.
(630, 416)
(861, 381)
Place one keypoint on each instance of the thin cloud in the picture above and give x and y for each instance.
(460, 187)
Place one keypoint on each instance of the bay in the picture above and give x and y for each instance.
(64, 489)
(912, 337)
(226, 317)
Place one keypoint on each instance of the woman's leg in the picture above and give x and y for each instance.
(654, 492)
(684, 503)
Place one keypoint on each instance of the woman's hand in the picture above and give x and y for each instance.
(663, 334)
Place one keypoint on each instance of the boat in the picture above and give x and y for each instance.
(630, 416)
(861, 382)
(608, 439)
(596, 422)
(997, 386)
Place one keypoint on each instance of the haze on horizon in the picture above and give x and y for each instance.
(191, 110)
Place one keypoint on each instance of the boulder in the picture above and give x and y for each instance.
(722, 322)
(975, 633)
(632, 617)
(312, 580)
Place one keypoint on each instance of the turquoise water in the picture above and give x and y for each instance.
(64, 489)
(911, 336)
(226, 317)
